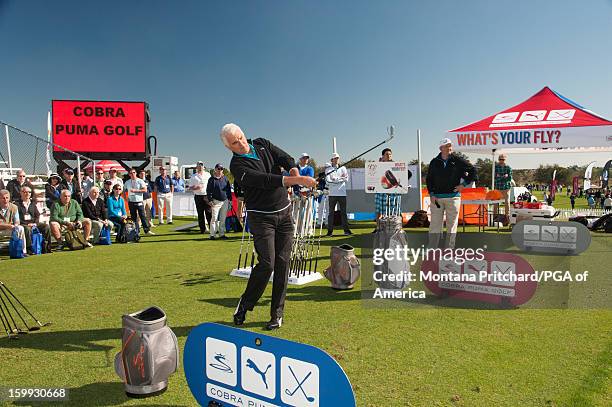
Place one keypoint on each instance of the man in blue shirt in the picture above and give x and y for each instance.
(164, 189)
(219, 193)
(178, 182)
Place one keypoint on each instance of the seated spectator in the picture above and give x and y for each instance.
(107, 190)
(115, 209)
(71, 184)
(52, 190)
(94, 209)
(178, 182)
(9, 218)
(29, 217)
(14, 186)
(66, 214)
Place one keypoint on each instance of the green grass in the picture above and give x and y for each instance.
(412, 356)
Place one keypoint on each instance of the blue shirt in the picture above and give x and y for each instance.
(179, 184)
(163, 184)
(251, 154)
(115, 207)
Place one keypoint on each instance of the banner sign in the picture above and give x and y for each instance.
(229, 366)
(596, 136)
(100, 130)
(551, 237)
(499, 278)
(391, 177)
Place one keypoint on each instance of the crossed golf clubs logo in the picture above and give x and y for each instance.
(300, 383)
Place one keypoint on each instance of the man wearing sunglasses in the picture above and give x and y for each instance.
(29, 217)
(14, 186)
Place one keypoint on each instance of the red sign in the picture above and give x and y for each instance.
(496, 277)
(97, 128)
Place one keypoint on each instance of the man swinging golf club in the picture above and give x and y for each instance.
(256, 166)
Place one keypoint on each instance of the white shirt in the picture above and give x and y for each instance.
(200, 180)
(336, 181)
(137, 183)
(116, 180)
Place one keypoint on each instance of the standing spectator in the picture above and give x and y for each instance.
(305, 169)
(545, 197)
(602, 201)
(219, 191)
(178, 182)
(115, 179)
(135, 188)
(147, 198)
(9, 218)
(383, 202)
(14, 186)
(29, 217)
(503, 180)
(198, 183)
(67, 214)
(71, 184)
(608, 203)
(164, 189)
(52, 190)
(94, 209)
(573, 200)
(99, 181)
(115, 208)
(447, 176)
(86, 183)
(591, 201)
(322, 198)
(335, 179)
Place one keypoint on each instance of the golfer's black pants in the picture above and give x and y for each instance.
(341, 201)
(136, 210)
(272, 238)
(204, 211)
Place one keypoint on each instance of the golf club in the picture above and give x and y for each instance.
(390, 132)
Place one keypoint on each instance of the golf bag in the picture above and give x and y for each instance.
(105, 236)
(38, 241)
(389, 234)
(75, 239)
(345, 268)
(129, 233)
(16, 246)
(232, 224)
(150, 353)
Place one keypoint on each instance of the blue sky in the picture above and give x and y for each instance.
(301, 72)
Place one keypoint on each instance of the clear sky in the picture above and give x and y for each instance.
(300, 72)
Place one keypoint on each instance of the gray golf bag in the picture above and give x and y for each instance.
(150, 353)
(345, 268)
(389, 234)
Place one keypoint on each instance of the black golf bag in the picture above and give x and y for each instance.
(345, 268)
(150, 353)
(129, 233)
(389, 234)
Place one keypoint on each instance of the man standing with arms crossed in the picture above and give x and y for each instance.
(164, 189)
(503, 180)
(448, 174)
(256, 167)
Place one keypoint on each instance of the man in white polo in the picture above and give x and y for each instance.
(448, 174)
(198, 183)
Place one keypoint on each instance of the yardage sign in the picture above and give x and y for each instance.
(100, 129)
(235, 367)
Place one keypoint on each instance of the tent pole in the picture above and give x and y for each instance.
(492, 169)
(419, 169)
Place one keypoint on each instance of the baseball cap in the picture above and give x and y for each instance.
(54, 175)
(200, 163)
(304, 155)
(108, 182)
(335, 155)
(445, 141)
(218, 166)
(69, 171)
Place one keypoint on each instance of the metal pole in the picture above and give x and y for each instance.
(419, 163)
(8, 146)
(493, 169)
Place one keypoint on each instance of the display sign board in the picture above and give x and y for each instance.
(99, 129)
(551, 237)
(230, 366)
(499, 278)
(390, 177)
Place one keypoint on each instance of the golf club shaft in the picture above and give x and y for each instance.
(20, 303)
(362, 154)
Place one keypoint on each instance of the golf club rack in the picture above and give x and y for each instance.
(9, 300)
(306, 244)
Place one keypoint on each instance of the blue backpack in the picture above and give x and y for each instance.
(16, 246)
(38, 241)
(105, 236)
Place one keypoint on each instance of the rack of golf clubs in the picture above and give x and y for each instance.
(10, 314)
(306, 244)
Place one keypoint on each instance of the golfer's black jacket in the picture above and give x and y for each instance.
(442, 179)
(261, 180)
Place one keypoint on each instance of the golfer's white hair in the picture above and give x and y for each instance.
(228, 130)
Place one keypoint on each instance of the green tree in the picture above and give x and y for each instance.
(483, 169)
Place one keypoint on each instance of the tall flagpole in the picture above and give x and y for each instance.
(48, 155)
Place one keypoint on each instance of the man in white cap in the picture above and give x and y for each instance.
(448, 174)
(335, 178)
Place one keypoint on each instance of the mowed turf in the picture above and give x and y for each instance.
(421, 356)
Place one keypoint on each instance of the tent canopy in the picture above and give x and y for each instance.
(547, 120)
(106, 166)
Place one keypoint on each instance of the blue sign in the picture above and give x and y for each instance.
(234, 367)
